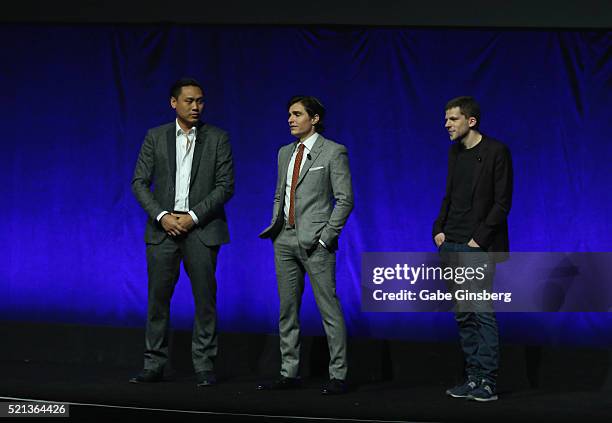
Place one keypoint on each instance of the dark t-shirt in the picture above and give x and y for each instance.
(461, 222)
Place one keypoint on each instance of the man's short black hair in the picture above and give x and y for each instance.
(313, 107)
(176, 88)
(468, 107)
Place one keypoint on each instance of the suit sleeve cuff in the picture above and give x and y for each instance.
(194, 217)
(159, 216)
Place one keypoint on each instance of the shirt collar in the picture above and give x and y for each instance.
(309, 142)
(179, 130)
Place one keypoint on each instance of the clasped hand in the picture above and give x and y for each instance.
(177, 224)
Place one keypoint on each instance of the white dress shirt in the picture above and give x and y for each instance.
(185, 144)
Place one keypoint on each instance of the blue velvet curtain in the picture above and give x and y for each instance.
(78, 99)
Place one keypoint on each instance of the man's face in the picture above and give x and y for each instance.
(457, 124)
(300, 124)
(188, 105)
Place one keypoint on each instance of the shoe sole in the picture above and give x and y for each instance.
(450, 394)
(493, 398)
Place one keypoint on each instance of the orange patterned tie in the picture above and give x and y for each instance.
(294, 179)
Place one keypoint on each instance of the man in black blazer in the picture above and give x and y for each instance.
(472, 231)
(189, 164)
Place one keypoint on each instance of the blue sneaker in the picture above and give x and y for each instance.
(464, 390)
(484, 393)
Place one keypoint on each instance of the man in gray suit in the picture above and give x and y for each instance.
(312, 201)
(189, 163)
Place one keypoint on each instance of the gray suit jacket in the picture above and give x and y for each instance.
(323, 196)
(211, 186)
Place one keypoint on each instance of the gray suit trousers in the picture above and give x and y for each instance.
(163, 263)
(292, 262)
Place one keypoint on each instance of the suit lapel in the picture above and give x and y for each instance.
(284, 163)
(171, 144)
(197, 151)
(314, 153)
(480, 161)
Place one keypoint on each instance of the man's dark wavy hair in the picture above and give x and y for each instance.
(313, 107)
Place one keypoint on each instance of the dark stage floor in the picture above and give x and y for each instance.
(235, 399)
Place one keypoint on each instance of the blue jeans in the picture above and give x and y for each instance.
(478, 332)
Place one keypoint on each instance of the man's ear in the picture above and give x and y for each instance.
(173, 102)
(315, 119)
(472, 121)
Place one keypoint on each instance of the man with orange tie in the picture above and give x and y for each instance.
(312, 202)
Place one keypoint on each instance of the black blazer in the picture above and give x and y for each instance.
(491, 196)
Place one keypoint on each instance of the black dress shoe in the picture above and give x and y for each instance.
(282, 383)
(334, 387)
(147, 376)
(205, 379)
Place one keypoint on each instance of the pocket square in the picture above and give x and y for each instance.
(312, 169)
